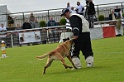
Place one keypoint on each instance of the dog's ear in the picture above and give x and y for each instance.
(65, 39)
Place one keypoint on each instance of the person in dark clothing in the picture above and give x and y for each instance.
(26, 25)
(117, 12)
(51, 22)
(87, 1)
(90, 13)
(82, 42)
(112, 16)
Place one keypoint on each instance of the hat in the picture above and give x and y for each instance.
(64, 11)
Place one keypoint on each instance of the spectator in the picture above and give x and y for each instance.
(90, 13)
(79, 8)
(2, 28)
(51, 22)
(18, 27)
(32, 20)
(26, 25)
(36, 23)
(72, 10)
(115, 21)
(68, 6)
(118, 12)
(112, 16)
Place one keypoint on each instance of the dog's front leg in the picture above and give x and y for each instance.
(69, 58)
(66, 66)
(59, 57)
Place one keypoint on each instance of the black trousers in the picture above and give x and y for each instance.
(83, 44)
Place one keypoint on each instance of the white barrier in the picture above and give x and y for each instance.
(36, 35)
(13, 37)
(98, 32)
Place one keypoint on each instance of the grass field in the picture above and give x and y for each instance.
(22, 66)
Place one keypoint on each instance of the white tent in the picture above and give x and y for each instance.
(3, 14)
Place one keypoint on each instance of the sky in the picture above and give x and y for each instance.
(34, 5)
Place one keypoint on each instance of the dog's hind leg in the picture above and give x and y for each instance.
(49, 62)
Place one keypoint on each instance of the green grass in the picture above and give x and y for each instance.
(22, 66)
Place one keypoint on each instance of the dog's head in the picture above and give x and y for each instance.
(69, 43)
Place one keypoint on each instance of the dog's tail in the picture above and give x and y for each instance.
(43, 56)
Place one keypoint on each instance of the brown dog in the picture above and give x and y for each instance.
(63, 50)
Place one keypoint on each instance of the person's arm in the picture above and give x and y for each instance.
(82, 8)
(93, 9)
(75, 26)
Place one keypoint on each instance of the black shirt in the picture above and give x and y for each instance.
(117, 10)
(26, 26)
(76, 24)
(91, 9)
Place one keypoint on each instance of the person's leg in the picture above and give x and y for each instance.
(75, 55)
(89, 20)
(92, 21)
(87, 49)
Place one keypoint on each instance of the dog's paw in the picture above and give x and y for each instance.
(68, 67)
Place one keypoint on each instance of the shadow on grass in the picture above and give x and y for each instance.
(70, 71)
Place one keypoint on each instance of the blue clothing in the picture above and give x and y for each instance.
(51, 23)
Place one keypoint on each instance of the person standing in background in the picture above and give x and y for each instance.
(80, 8)
(51, 22)
(90, 13)
(72, 10)
(36, 23)
(3, 28)
(112, 16)
(118, 12)
(26, 25)
(18, 27)
(32, 20)
(68, 6)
